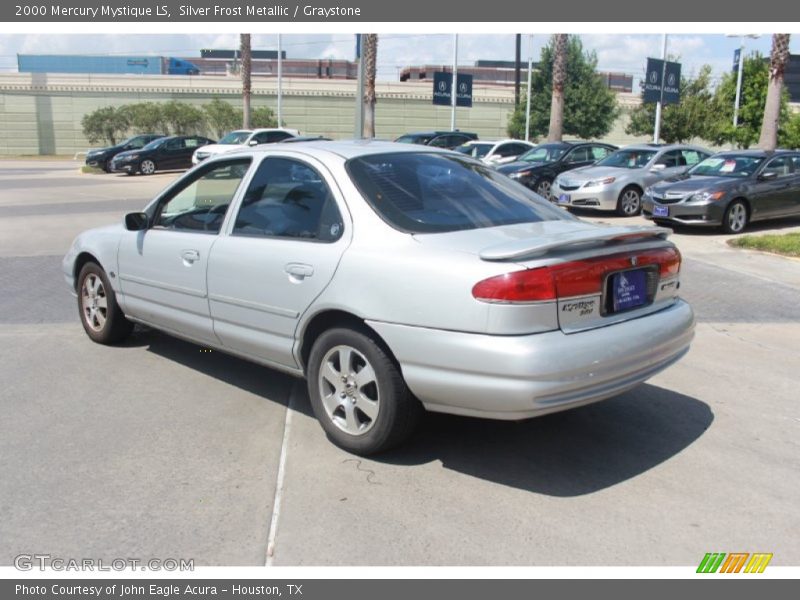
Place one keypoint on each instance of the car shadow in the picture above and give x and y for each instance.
(566, 454)
(752, 228)
(572, 453)
(256, 379)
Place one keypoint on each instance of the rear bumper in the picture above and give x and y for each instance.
(517, 377)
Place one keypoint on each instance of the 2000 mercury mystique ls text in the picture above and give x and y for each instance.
(393, 278)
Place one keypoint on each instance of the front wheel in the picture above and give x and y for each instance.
(101, 316)
(358, 393)
(147, 167)
(629, 203)
(735, 218)
(543, 187)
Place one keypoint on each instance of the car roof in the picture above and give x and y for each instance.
(756, 152)
(346, 149)
(662, 147)
(420, 133)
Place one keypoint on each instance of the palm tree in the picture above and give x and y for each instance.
(772, 111)
(559, 78)
(247, 64)
(370, 58)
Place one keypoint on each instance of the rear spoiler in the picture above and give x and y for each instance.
(532, 247)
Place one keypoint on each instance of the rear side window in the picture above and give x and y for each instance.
(429, 193)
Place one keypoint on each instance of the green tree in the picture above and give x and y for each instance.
(263, 117)
(789, 133)
(182, 118)
(221, 117)
(755, 79)
(679, 122)
(144, 117)
(589, 106)
(107, 124)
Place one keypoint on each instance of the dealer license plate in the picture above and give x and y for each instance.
(628, 289)
(563, 199)
(660, 211)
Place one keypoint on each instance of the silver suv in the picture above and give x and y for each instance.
(618, 181)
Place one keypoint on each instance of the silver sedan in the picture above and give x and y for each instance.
(394, 278)
(618, 181)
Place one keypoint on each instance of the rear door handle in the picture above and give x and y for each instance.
(299, 270)
(190, 256)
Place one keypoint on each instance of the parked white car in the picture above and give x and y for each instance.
(242, 139)
(495, 152)
(393, 277)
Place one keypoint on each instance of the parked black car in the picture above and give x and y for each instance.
(174, 152)
(438, 139)
(101, 157)
(538, 167)
(729, 190)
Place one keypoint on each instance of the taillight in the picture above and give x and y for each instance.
(574, 278)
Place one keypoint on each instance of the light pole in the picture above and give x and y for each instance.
(739, 70)
(453, 85)
(528, 103)
(657, 128)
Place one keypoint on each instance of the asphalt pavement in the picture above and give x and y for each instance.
(158, 448)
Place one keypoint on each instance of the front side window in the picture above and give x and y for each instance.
(288, 199)
(235, 138)
(628, 159)
(176, 144)
(783, 166)
(422, 192)
(578, 155)
(201, 204)
(544, 154)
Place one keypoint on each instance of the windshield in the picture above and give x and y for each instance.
(627, 159)
(475, 150)
(154, 144)
(235, 137)
(413, 139)
(544, 154)
(727, 166)
(428, 193)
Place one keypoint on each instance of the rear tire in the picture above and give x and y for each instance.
(101, 316)
(629, 202)
(107, 166)
(358, 393)
(735, 218)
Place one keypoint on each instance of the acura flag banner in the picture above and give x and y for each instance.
(662, 82)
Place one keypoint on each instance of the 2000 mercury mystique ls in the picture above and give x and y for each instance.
(392, 277)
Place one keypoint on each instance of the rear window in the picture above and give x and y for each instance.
(431, 193)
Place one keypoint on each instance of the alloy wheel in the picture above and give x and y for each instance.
(94, 302)
(630, 202)
(737, 217)
(349, 390)
(148, 167)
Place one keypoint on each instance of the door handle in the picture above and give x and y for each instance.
(190, 256)
(299, 270)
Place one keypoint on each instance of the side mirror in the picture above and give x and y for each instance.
(253, 143)
(136, 221)
(658, 167)
(768, 175)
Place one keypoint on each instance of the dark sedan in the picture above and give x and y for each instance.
(174, 152)
(729, 190)
(538, 167)
(438, 139)
(101, 157)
